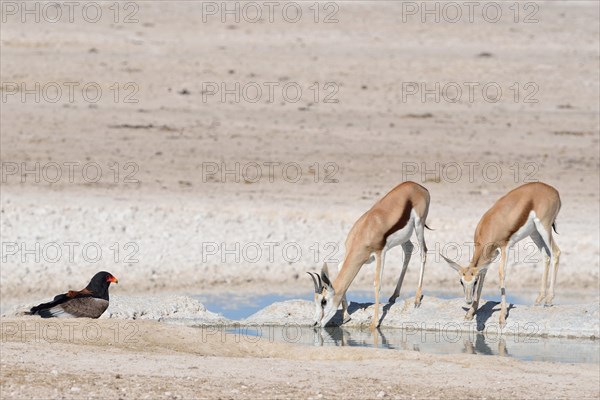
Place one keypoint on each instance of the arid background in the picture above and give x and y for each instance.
(188, 150)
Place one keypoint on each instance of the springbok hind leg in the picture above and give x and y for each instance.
(539, 242)
(407, 247)
(555, 259)
(419, 230)
(545, 232)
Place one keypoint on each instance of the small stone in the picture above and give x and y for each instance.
(381, 394)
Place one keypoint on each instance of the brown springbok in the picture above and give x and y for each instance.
(529, 210)
(389, 223)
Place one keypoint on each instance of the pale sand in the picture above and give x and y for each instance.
(370, 135)
(172, 214)
(163, 361)
(574, 321)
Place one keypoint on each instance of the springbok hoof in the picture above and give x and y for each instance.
(539, 299)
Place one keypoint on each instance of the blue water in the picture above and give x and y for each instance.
(237, 307)
(523, 348)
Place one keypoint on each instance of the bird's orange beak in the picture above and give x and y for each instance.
(112, 279)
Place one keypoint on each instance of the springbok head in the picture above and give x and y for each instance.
(469, 278)
(325, 308)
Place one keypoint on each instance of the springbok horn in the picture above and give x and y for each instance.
(317, 288)
(326, 280)
(325, 274)
(320, 282)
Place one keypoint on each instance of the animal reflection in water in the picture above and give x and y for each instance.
(479, 346)
(426, 341)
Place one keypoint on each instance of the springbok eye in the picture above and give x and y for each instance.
(323, 302)
(461, 282)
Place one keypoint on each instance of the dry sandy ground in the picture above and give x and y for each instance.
(193, 365)
(166, 225)
(164, 212)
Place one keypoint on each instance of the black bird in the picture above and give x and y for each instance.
(90, 302)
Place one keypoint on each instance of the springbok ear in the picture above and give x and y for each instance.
(325, 275)
(452, 264)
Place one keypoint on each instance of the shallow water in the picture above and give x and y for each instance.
(523, 348)
(237, 307)
(488, 343)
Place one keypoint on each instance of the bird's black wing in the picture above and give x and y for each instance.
(81, 307)
(72, 304)
(61, 298)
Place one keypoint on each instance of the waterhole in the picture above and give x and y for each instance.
(490, 342)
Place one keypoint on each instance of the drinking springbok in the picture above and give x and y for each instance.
(389, 223)
(529, 210)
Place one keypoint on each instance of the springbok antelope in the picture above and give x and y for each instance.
(529, 210)
(389, 223)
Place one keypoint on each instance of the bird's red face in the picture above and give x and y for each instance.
(111, 279)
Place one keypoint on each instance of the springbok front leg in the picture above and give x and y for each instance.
(475, 305)
(345, 314)
(502, 272)
(379, 256)
(408, 248)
